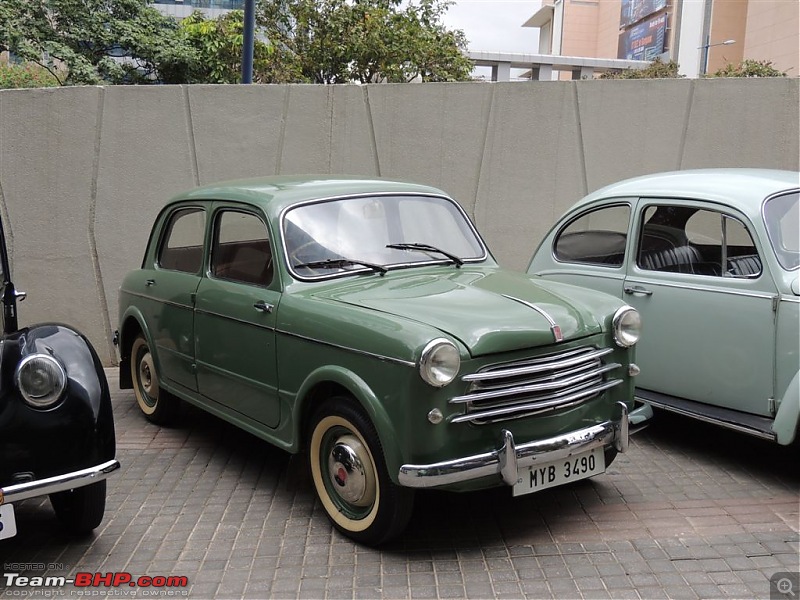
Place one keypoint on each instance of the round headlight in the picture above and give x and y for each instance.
(627, 326)
(41, 380)
(439, 363)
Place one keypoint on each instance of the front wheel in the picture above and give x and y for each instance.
(157, 405)
(80, 510)
(350, 475)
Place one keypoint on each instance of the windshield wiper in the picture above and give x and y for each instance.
(427, 248)
(337, 263)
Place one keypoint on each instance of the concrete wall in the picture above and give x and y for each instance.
(83, 171)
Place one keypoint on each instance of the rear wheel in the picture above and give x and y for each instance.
(350, 475)
(158, 406)
(80, 510)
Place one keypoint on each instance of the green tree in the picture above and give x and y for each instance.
(657, 69)
(219, 44)
(339, 41)
(25, 76)
(80, 41)
(749, 68)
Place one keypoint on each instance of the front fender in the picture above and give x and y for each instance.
(363, 394)
(75, 433)
(786, 420)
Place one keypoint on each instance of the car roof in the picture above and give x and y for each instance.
(275, 193)
(742, 189)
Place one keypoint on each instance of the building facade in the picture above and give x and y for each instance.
(700, 35)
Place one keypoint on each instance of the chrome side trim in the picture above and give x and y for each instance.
(161, 300)
(508, 458)
(59, 483)
(210, 313)
(707, 419)
(695, 288)
(390, 359)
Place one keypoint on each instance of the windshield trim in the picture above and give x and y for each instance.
(773, 242)
(391, 267)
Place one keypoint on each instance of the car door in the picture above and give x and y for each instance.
(235, 317)
(707, 305)
(168, 290)
(589, 250)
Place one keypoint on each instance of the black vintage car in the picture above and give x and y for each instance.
(56, 426)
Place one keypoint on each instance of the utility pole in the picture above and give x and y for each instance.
(249, 40)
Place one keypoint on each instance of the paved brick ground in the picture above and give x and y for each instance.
(691, 511)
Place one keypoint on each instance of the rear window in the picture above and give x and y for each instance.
(782, 219)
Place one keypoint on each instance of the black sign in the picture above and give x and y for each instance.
(636, 10)
(644, 41)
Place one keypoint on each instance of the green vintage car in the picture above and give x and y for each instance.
(710, 258)
(365, 323)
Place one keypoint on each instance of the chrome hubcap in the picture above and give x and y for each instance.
(146, 370)
(348, 471)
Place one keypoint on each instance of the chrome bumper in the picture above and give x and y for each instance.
(59, 483)
(507, 459)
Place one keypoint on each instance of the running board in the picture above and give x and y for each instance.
(724, 417)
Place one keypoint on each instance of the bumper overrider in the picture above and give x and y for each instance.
(59, 483)
(510, 457)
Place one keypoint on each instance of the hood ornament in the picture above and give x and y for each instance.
(554, 327)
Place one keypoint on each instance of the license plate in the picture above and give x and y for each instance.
(8, 526)
(547, 475)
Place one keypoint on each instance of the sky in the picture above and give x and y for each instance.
(495, 25)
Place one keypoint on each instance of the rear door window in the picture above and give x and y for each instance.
(182, 246)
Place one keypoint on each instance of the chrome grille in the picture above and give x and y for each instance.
(536, 385)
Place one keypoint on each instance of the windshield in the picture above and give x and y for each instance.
(355, 234)
(783, 226)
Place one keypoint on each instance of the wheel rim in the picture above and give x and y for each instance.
(147, 374)
(344, 474)
(350, 472)
(145, 378)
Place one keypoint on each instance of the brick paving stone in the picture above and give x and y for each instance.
(704, 514)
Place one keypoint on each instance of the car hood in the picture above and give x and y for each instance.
(488, 309)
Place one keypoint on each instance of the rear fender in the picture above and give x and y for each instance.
(786, 420)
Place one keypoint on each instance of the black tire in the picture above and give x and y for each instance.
(80, 510)
(158, 406)
(350, 476)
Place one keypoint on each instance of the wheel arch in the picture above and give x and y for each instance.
(332, 380)
(132, 324)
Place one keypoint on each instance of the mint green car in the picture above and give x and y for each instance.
(710, 259)
(364, 323)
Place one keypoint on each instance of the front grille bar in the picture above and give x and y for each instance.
(535, 387)
(548, 364)
(537, 406)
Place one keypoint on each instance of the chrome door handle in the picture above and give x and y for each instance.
(150, 282)
(20, 295)
(263, 306)
(637, 291)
